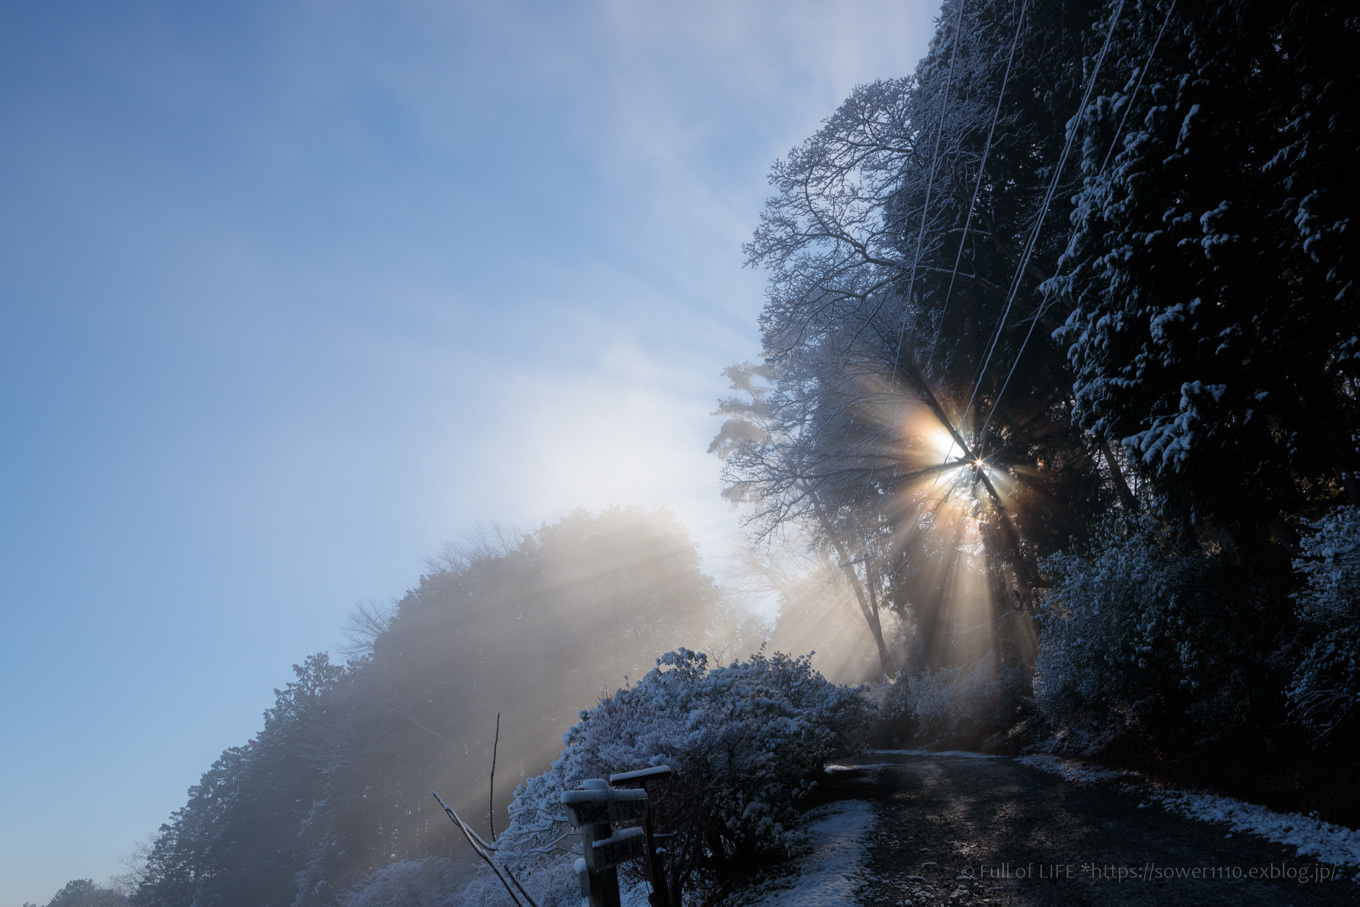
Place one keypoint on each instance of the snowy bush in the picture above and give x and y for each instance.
(550, 878)
(745, 743)
(957, 703)
(431, 882)
(1325, 690)
(1131, 630)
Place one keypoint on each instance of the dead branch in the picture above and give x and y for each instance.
(483, 850)
(491, 785)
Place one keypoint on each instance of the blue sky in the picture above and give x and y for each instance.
(293, 292)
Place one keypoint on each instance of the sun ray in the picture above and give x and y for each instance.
(947, 507)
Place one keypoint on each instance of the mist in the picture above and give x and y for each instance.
(465, 686)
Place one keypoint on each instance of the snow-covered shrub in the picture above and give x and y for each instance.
(550, 878)
(1325, 691)
(745, 743)
(961, 703)
(1131, 626)
(431, 882)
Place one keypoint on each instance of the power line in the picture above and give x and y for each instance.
(1137, 85)
(925, 208)
(1073, 126)
(982, 165)
(1043, 305)
(982, 168)
(925, 211)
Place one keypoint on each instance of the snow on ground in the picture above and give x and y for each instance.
(1309, 836)
(830, 872)
(958, 754)
(872, 770)
(1070, 770)
(637, 894)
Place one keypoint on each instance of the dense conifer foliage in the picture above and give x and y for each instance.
(1099, 243)
(1209, 296)
(1063, 326)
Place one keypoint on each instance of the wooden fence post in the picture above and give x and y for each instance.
(593, 808)
(656, 872)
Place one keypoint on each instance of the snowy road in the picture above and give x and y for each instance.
(964, 829)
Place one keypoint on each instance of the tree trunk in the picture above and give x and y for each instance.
(866, 607)
(1121, 486)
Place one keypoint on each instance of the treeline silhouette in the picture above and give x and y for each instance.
(535, 627)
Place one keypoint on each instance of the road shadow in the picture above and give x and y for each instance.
(963, 829)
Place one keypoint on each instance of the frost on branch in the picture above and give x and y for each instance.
(956, 705)
(406, 883)
(1326, 685)
(1137, 631)
(745, 741)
